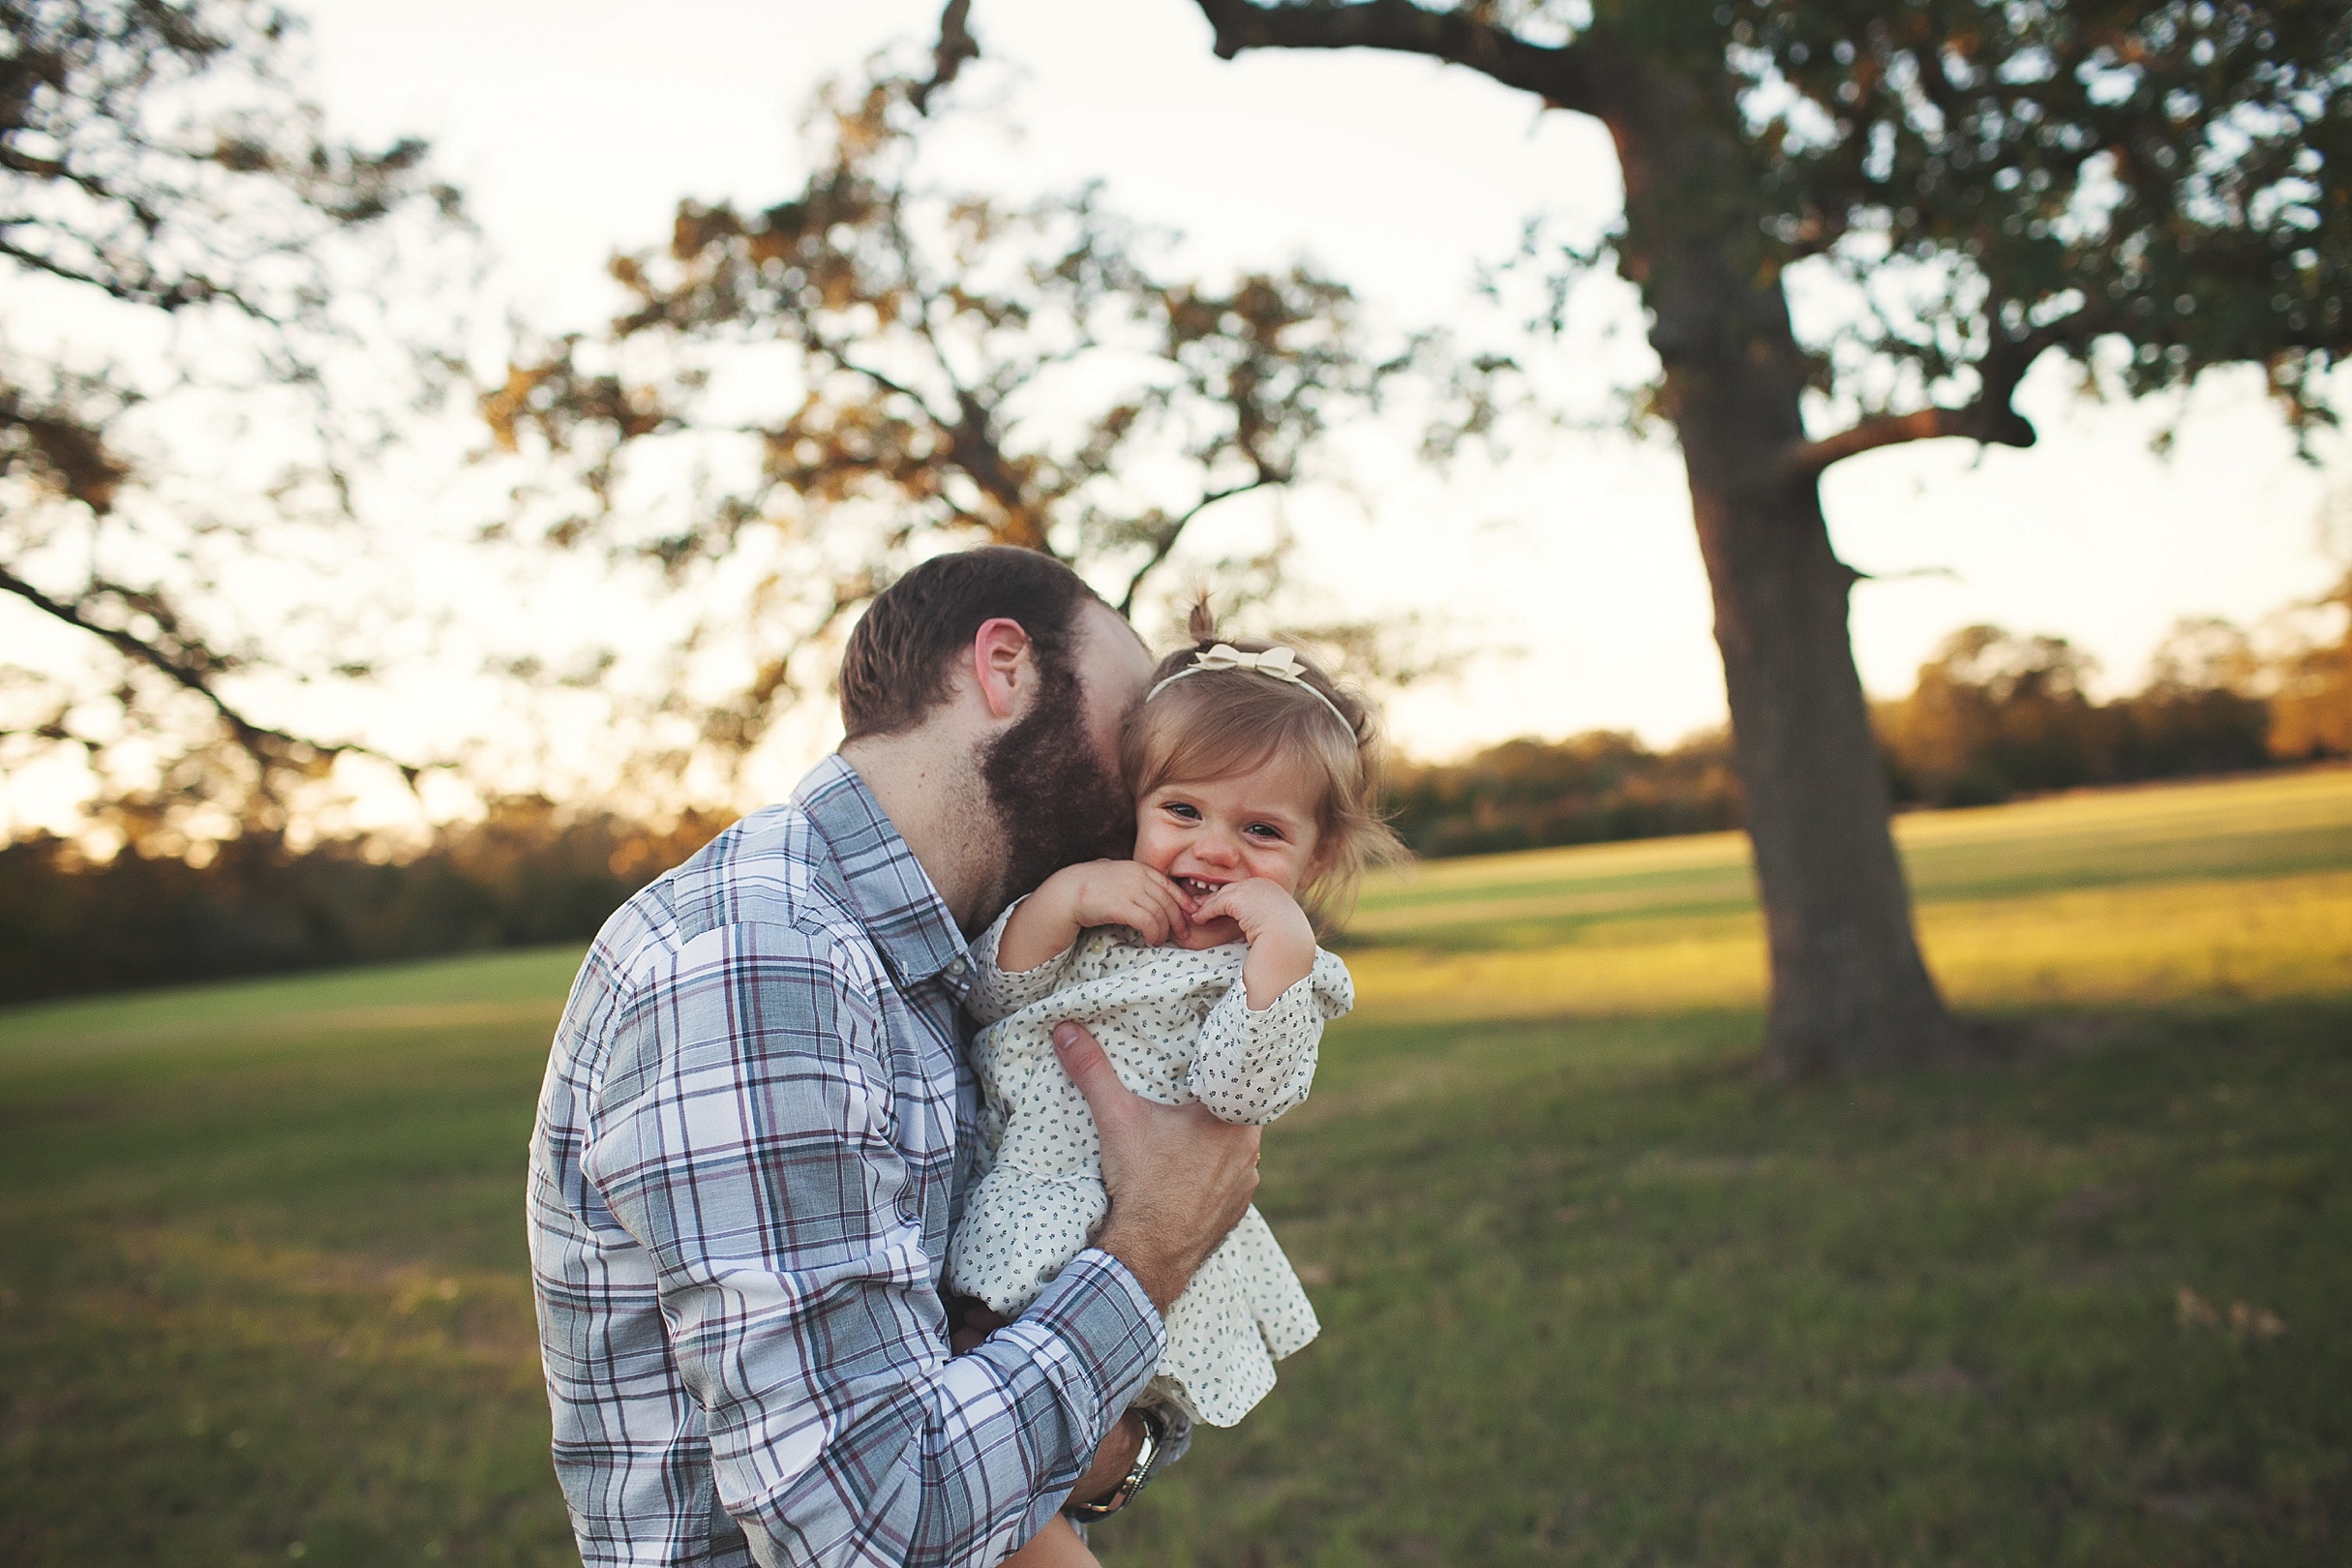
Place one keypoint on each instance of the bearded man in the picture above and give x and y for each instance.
(758, 1126)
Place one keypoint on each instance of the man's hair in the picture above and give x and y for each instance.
(902, 653)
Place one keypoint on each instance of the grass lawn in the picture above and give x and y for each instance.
(1591, 1292)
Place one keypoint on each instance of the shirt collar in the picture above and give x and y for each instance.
(884, 884)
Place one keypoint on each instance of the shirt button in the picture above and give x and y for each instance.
(956, 968)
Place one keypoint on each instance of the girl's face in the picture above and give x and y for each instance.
(1203, 836)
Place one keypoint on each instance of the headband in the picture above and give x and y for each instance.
(1278, 662)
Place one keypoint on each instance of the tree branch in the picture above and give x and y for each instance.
(267, 747)
(1997, 425)
(1169, 535)
(840, 356)
(1989, 419)
(955, 46)
(1562, 76)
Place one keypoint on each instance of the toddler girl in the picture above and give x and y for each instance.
(1196, 965)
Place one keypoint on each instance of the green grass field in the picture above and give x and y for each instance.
(1593, 1291)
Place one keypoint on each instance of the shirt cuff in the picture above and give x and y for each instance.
(1326, 991)
(1098, 1308)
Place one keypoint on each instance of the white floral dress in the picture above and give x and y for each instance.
(1177, 1025)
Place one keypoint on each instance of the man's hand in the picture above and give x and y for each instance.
(1178, 1178)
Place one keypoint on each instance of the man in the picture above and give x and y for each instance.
(757, 1129)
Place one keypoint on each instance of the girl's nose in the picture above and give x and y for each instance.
(1217, 849)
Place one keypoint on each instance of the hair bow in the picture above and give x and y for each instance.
(1278, 662)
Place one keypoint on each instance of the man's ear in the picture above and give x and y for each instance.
(1003, 665)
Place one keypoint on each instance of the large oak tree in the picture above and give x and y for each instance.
(1991, 182)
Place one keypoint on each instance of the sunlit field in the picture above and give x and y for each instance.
(1593, 1291)
(2237, 890)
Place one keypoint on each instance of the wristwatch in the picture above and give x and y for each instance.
(1155, 1434)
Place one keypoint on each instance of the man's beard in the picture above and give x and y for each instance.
(1054, 801)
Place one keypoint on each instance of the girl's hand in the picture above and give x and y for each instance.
(1281, 936)
(1260, 907)
(1121, 893)
(1099, 892)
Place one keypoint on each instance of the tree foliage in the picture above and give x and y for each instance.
(1965, 186)
(525, 875)
(1999, 181)
(2311, 706)
(1532, 794)
(880, 366)
(199, 352)
(1994, 715)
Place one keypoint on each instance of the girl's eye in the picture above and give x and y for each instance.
(1178, 810)
(1265, 831)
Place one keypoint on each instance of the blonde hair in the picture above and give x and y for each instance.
(1216, 723)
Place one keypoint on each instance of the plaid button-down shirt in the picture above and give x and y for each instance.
(752, 1147)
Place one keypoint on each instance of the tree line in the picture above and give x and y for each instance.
(1992, 716)
(525, 875)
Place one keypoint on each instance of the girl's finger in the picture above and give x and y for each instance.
(1184, 901)
(1167, 919)
(1163, 895)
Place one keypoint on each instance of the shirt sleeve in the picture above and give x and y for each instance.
(996, 994)
(741, 1135)
(1251, 1067)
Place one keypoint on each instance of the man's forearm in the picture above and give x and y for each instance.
(1004, 1442)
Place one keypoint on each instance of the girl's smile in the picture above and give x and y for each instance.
(1203, 836)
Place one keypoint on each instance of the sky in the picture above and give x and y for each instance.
(576, 128)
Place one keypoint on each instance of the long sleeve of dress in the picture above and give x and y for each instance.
(1251, 1067)
(995, 994)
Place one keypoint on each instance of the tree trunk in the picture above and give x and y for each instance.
(1849, 990)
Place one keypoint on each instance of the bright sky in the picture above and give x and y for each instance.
(576, 126)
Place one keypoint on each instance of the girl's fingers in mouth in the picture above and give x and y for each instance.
(1174, 889)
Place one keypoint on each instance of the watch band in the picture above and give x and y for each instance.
(1155, 1434)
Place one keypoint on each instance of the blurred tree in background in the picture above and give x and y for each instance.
(528, 873)
(801, 402)
(1994, 715)
(200, 348)
(2149, 189)
(2312, 708)
(1586, 789)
